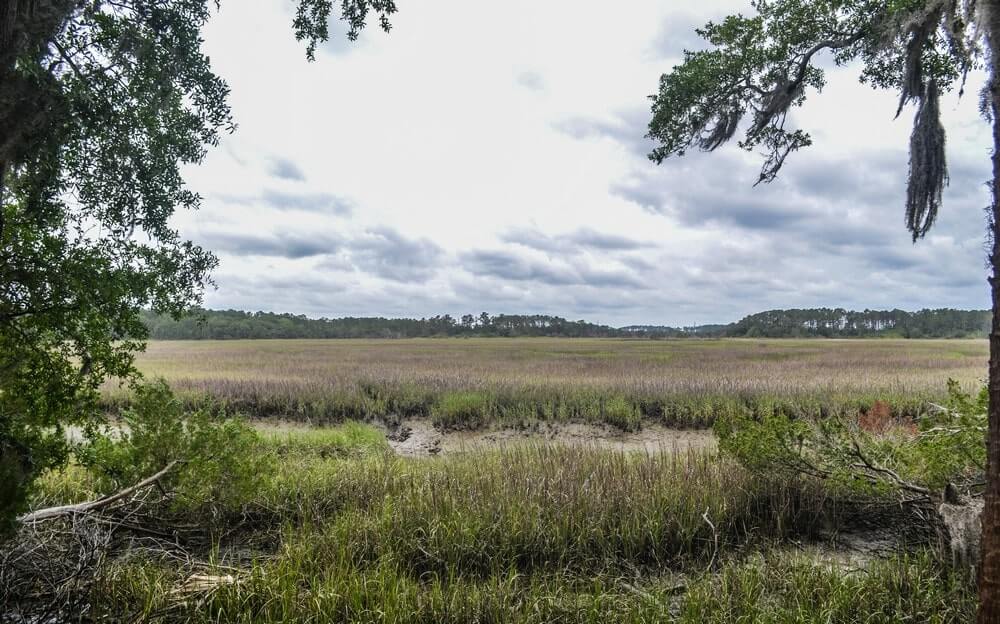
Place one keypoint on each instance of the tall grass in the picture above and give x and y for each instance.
(546, 508)
(344, 531)
(472, 383)
(523, 508)
(784, 590)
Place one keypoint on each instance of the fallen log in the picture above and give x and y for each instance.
(60, 511)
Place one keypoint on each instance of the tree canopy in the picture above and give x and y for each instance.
(759, 68)
(101, 104)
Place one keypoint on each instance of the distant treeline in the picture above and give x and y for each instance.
(820, 322)
(840, 323)
(230, 324)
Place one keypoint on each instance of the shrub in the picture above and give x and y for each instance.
(219, 461)
(870, 452)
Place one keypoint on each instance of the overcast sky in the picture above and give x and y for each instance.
(490, 157)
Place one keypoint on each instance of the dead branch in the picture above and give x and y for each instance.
(91, 506)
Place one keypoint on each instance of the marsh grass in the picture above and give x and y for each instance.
(470, 383)
(342, 530)
(772, 588)
(549, 508)
(351, 439)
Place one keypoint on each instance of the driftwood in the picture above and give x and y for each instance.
(60, 511)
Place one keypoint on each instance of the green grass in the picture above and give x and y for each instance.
(347, 440)
(342, 530)
(462, 410)
(776, 589)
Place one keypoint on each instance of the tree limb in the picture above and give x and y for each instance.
(892, 474)
(49, 513)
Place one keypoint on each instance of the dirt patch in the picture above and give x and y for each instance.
(419, 438)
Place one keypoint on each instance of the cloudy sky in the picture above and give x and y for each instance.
(490, 157)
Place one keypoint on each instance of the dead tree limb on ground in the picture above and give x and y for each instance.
(95, 505)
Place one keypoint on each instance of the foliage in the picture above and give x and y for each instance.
(229, 324)
(872, 453)
(951, 447)
(760, 68)
(219, 462)
(840, 323)
(101, 105)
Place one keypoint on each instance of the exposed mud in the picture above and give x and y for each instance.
(419, 438)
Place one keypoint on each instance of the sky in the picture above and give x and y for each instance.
(491, 157)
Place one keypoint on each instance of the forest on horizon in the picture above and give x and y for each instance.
(791, 323)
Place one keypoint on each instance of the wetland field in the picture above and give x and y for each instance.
(477, 383)
(518, 480)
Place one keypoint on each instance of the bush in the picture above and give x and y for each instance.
(220, 462)
(952, 443)
(869, 452)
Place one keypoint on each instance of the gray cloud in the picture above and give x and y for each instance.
(313, 202)
(280, 244)
(574, 242)
(509, 265)
(627, 127)
(829, 231)
(609, 242)
(388, 254)
(605, 278)
(286, 170)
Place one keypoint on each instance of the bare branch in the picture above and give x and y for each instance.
(80, 508)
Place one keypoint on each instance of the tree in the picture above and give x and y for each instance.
(761, 67)
(101, 102)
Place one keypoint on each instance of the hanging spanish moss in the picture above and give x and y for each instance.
(928, 169)
(726, 124)
(921, 32)
(777, 102)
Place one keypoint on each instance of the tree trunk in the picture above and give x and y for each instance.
(989, 568)
(3, 199)
(26, 29)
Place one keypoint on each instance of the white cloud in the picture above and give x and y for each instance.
(474, 160)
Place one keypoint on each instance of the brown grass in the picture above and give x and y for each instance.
(686, 381)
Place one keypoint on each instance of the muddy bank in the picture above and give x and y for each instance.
(417, 438)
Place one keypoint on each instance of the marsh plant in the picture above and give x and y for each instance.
(465, 384)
